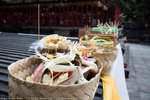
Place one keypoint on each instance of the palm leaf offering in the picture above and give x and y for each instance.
(107, 28)
(105, 31)
(96, 40)
(59, 62)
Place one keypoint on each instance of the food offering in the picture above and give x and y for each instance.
(55, 42)
(102, 52)
(58, 65)
(106, 28)
(106, 31)
(96, 40)
(63, 62)
(103, 39)
(106, 55)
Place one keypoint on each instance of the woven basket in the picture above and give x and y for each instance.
(21, 89)
(112, 36)
(82, 32)
(106, 56)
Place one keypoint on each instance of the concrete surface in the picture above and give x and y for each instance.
(138, 83)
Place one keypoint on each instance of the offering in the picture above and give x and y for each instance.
(63, 62)
(106, 55)
(96, 40)
(59, 69)
(106, 30)
(102, 40)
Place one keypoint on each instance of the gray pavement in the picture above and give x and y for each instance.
(138, 83)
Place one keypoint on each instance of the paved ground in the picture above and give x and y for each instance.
(138, 83)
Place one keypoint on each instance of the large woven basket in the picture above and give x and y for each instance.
(21, 89)
(106, 56)
(112, 36)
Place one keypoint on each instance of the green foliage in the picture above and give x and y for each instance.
(136, 10)
(2, 2)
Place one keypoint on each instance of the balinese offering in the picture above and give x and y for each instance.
(106, 30)
(96, 40)
(62, 63)
(103, 52)
(60, 69)
(106, 55)
(103, 39)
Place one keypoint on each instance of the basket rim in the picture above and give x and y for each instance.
(24, 81)
(113, 50)
(89, 32)
(116, 51)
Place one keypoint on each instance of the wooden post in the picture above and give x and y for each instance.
(81, 16)
(64, 16)
(44, 16)
(77, 15)
(30, 16)
(72, 17)
(39, 21)
(91, 16)
(26, 15)
(23, 15)
(102, 15)
(55, 17)
(59, 16)
(107, 14)
(96, 14)
(47, 17)
(33, 14)
(68, 15)
(51, 16)
(86, 18)
(36, 16)
(106, 1)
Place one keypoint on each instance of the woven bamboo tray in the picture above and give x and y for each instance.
(21, 89)
(106, 55)
(112, 36)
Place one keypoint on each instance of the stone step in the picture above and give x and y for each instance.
(4, 78)
(4, 65)
(8, 58)
(15, 53)
(6, 61)
(3, 71)
(12, 55)
(4, 87)
(18, 51)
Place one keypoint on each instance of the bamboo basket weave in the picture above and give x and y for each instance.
(21, 89)
(106, 56)
(112, 36)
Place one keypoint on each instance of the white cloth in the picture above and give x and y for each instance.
(117, 71)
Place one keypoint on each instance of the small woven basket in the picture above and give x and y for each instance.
(82, 32)
(106, 55)
(112, 36)
(21, 89)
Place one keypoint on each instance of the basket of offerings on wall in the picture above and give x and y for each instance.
(102, 49)
(61, 69)
(104, 30)
(107, 55)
